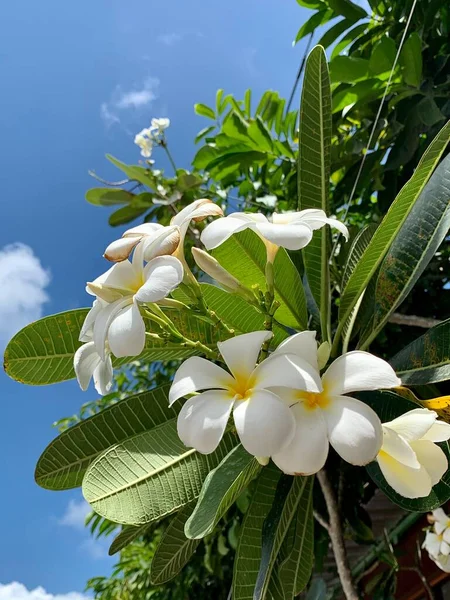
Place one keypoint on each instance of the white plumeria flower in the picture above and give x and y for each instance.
(144, 140)
(327, 415)
(409, 459)
(159, 125)
(171, 241)
(123, 287)
(437, 547)
(441, 522)
(88, 364)
(263, 422)
(292, 230)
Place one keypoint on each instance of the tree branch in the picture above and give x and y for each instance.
(413, 320)
(337, 538)
(321, 521)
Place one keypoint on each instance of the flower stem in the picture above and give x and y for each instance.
(169, 155)
(337, 538)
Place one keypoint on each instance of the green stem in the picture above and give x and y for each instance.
(169, 155)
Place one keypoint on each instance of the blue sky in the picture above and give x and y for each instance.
(78, 80)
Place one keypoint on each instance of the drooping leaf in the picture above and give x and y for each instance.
(235, 312)
(205, 111)
(411, 60)
(426, 359)
(314, 174)
(108, 196)
(248, 555)
(383, 56)
(388, 406)
(244, 256)
(63, 463)
(221, 488)
(174, 550)
(348, 38)
(126, 214)
(149, 476)
(319, 18)
(347, 9)
(414, 246)
(334, 32)
(135, 172)
(390, 225)
(128, 534)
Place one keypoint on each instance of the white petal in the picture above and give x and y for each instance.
(303, 345)
(198, 374)
(162, 241)
(87, 329)
(445, 548)
(144, 229)
(265, 425)
(220, 230)
(414, 424)
(399, 448)
(241, 353)
(162, 275)
(292, 237)
(287, 370)
(438, 432)
(355, 371)
(104, 320)
(440, 528)
(432, 543)
(442, 562)
(202, 420)
(446, 535)
(308, 451)
(85, 362)
(198, 210)
(439, 515)
(317, 218)
(103, 376)
(126, 334)
(409, 483)
(122, 276)
(120, 249)
(432, 458)
(354, 430)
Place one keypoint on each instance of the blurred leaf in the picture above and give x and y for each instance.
(317, 590)
(411, 60)
(319, 18)
(235, 127)
(260, 135)
(248, 102)
(426, 359)
(347, 9)
(149, 476)
(348, 38)
(135, 173)
(128, 534)
(348, 69)
(108, 196)
(220, 489)
(203, 133)
(312, 3)
(363, 90)
(126, 214)
(429, 112)
(383, 56)
(334, 32)
(205, 111)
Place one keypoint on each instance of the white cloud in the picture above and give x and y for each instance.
(97, 548)
(136, 98)
(22, 281)
(75, 515)
(17, 591)
(169, 39)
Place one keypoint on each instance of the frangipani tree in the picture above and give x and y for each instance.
(276, 381)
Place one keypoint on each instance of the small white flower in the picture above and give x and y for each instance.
(263, 422)
(168, 200)
(292, 231)
(144, 140)
(269, 200)
(159, 125)
(409, 459)
(441, 522)
(327, 415)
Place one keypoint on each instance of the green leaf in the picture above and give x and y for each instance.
(244, 256)
(205, 111)
(314, 174)
(334, 32)
(429, 112)
(347, 39)
(203, 133)
(42, 353)
(221, 488)
(248, 102)
(149, 475)
(249, 553)
(388, 406)
(63, 463)
(383, 56)
(311, 4)
(289, 495)
(411, 60)
(126, 214)
(128, 534)
(348, 69)
(426, 359)
(347, 9)
(366, 91)
(236, 127)
(260, 135)
(174, 550)
(236, 313)
(389, 227)
(108, 196)
(135, 173)
(418, 239)
(319, 18)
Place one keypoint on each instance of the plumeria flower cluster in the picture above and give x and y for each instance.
(437, 539)
(146, 138)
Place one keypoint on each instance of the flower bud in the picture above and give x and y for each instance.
(211, 267)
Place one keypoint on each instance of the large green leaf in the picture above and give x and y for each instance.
(244, 256)
(347, 9)
(149, 476)
(426, 359)
(42, 352)
(63, 463)
(221, 488)
(314, 174)
(389, 228)
(388, 406)
(348, 69)
(174, 550)
(237, 313)
(316, 20)
(128, 534)
(411, 60)
(290, 493)
(418, 239)
(249, 551)
(108, 196)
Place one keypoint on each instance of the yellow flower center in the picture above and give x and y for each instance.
(242, 386)
(312, 400)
